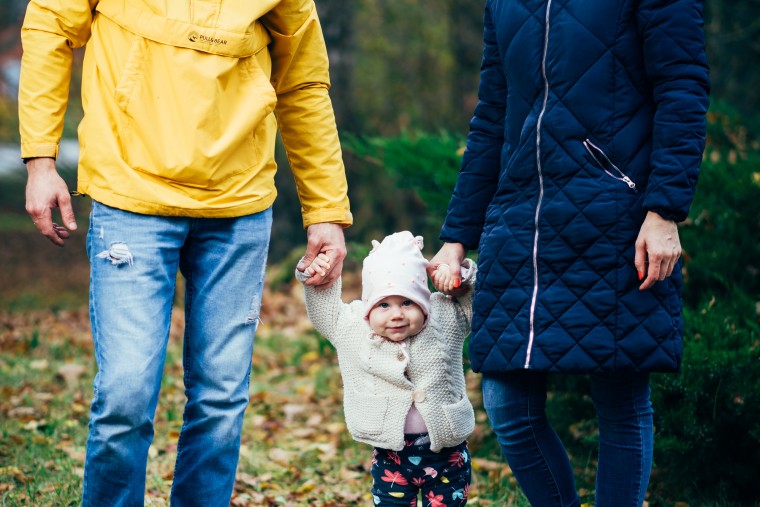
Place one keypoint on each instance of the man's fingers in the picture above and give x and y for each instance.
(67, 211)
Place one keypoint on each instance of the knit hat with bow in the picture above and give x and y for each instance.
(396, 267)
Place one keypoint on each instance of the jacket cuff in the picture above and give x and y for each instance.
(675, 216)
(339, 216)
(301, 276)
(38, 150)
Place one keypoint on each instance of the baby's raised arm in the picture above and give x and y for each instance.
(458, 302)
(324, 306)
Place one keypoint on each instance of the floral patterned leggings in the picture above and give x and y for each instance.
(443, 477)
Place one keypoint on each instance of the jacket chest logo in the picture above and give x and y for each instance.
(199, 37)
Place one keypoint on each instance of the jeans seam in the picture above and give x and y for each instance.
(538, 445)
(638, 479)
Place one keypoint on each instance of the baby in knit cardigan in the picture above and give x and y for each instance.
(400, 355)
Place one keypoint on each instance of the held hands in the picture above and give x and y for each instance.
(445, 279)
(444, 269)
(320, 266)
(658, 246)
(325, 251)
(45, 190)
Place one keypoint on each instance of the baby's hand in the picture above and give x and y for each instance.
(319, 265)
(444, 279)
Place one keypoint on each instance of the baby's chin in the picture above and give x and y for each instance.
(396, 338)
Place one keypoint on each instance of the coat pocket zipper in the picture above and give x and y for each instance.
(603, 161)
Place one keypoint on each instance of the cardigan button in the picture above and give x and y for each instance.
(418, 395)
(401, 356)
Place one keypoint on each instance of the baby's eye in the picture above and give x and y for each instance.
(408, 302)
(384, 305)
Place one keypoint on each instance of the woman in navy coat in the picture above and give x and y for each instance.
(582, 155)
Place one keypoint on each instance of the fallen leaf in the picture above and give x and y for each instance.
(280, 456)
(14, 472)
(39, 364)
(70, 373)
(487, 465)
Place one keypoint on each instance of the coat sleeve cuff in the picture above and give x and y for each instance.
(37, 150)
(340, 216)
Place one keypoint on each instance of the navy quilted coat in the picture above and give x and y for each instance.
(591, 113)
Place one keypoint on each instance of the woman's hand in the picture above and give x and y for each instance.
(657, 249)
(444, 279)
(450, 255)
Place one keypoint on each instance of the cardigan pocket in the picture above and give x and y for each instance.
(461, 418)
(365, 413)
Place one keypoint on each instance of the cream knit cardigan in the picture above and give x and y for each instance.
(381, 378)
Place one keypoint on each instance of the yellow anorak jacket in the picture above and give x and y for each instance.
(180, 100)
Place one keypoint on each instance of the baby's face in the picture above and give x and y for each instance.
(396, 318)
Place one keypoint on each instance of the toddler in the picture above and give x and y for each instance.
(400, 356)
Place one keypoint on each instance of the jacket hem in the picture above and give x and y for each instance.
(148, 208)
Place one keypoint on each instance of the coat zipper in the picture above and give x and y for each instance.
(622, 176)
(540, 191)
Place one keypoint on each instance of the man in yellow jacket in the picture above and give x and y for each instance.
(182, 102)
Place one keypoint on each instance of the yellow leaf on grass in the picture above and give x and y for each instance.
(14, 472)
(312, 355)
(486, 465)
(306, 487)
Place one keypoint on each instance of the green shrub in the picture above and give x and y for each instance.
(721, 237)
(708, 417)
(426, 165)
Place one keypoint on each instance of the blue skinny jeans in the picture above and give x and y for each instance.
(516, 406)
(134, 261)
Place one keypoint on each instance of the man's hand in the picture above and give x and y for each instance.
(659, 246)
(45, 190)
(451, 255)
(324, 239)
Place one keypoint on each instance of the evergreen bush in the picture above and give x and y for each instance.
(707, 418)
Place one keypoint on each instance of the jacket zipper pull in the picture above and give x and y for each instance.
(630, 183)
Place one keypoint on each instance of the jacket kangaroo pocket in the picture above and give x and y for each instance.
(461, 418)
(365, 413)
(191, 117)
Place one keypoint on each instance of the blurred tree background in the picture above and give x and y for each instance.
(404, 80)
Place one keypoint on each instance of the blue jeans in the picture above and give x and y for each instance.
(133, 266)
(516, 405)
